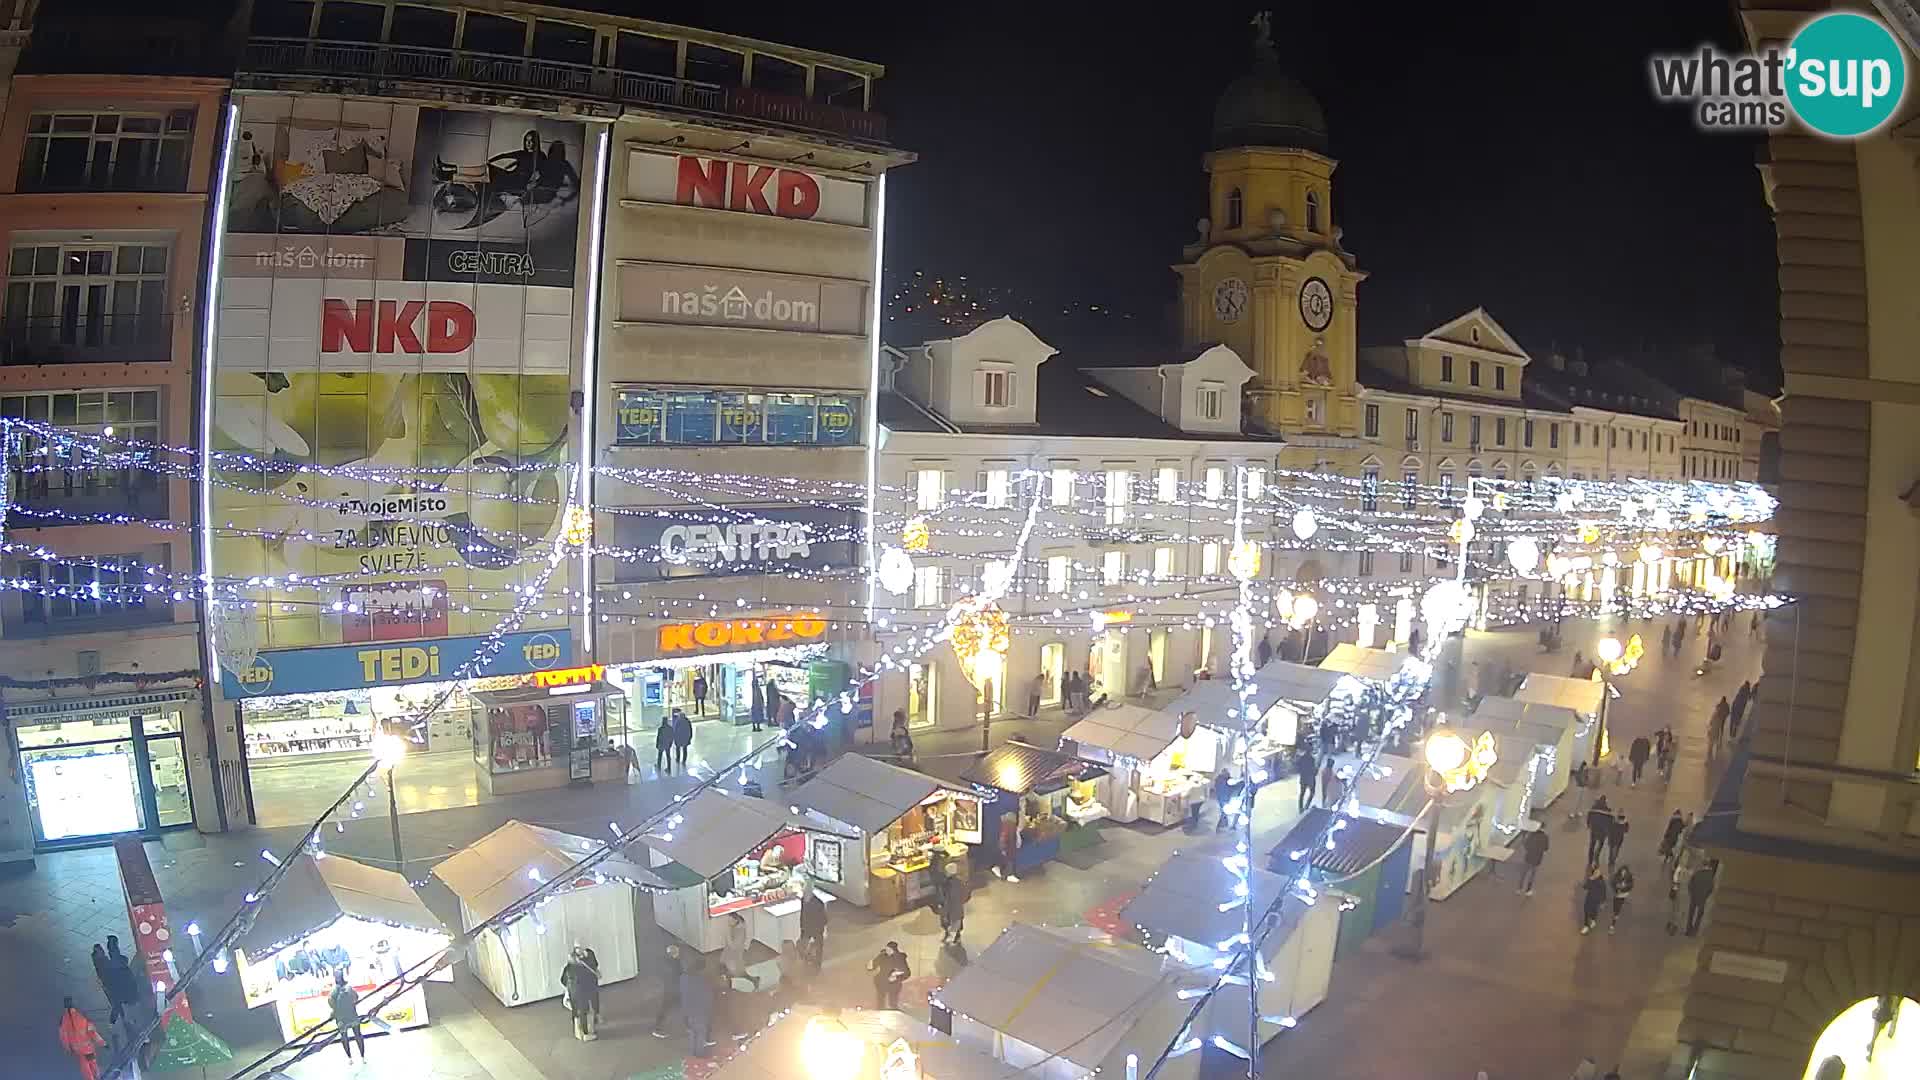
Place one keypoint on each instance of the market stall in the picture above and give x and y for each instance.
(1180, 907)
(1369, 861)
(1378, 665)
(331, 915)
(857, 1044)
(1585, 698)
(1039, 796)
(1064, 1003)
(730, 855)
(1157, 762)
(1551, 728)
(910, 826)
(561, 730)
(521, 961)
(1469, 829)
(1291, 702)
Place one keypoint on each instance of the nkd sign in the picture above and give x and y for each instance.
(717, 297)
(745, 187)
(394, 326)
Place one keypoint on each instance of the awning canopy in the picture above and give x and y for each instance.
(1583, 696)
(1183, 899)
(1376, 664)
(774, 1051)
(317, 892)
(501, 868)
(1358, 844)
(1545, 724)
(1019, 768)
(713, 830)
(1126, 731)
(865, 793)
(1281, 680)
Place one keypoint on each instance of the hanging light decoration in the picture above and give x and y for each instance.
(1304, 524)
(895, 571)
(914, 535)
(1523, 554)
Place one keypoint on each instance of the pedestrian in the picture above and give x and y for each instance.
(1599, 827)
(813, 928)
(1593, 898)
(759, 703)
(700, 692)
(80, 1038)
(899, 738)
(345, 1003)
(733, 955)
(1223, 797)
(1582, 790)
(109, 983)
(1533, 851)
(1670, 839)
(1616, 836)
(1699, 889)
(1579, 668)
(1262, 652)
(1753, 628)
(1009, 846)
(1742, 698)
(890, 971)
(1679, 634)
(682, 738)
(698, 996)
(671, 969)
(1329, 783)
(1666, 640)
(954, 894)
(1308, 771)
(1036, 691)
(663, 747)
(1637, 755)
(1717, 726)
(581, 981)
(1622, 889)
(1146, 683)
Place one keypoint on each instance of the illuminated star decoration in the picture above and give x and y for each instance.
(915, 535)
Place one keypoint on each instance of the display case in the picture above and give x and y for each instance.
(536, 737)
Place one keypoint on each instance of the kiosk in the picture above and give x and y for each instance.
(1377, 665)
(521, 961)
(1469, 829)
(333, 914)
(567, 728)
(1369, 862)
(727, 855)
(908, 827)
(1585, 698)
(1551, 728)
(1157, 763)
(1037, 796)
(1291, 702)
(860, 1045)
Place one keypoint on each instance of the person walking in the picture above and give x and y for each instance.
(1699, 890)
(1223, 791)
(698, 995)
(700, 692)
(671, 968)
(663, 747)
(1665, 749)
(1717, 728)
(81, 1039)
(1616, 836)
(581, 981)
(890, 971)
(954, 894)
(1637, 755)
(813, 928)
(109, 983)
(1330, 783)
(1753, 628)
(1308, 771)
(759, 703)
(344, 1001)
(1582, 790)
(1670, 840)
(733, 955)
(1599, 827)
(900, 740)
(1593, 898)
(1622, 889)
(682, 738)
(1666, 640)
(1035, 691)
(1742, 698)
(1533, 851)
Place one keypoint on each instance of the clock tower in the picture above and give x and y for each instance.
(1267, 275)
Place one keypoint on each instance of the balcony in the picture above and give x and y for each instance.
(54, 496)
(270, 57)
(104, 339)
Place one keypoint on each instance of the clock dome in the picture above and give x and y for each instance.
(1266, 107)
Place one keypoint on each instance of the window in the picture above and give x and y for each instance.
(1207, 401)
(1060, 486)
(930, 489)
(1409, 489)
(1473, 373)
(1406, 562)
(1446, 486)
(1119, 493)
(1373, 421)
(926, 586)
(1613, 438)
(1236, 209)
(1446, 427)
(1596, 434)
(63, 300)
(648, 416)
(1576, 434)
(1216, 481)
(1553, 436)
(1473, 335)
(1210, 558)
(1113, 567)
(1370, 488)
(1446, 369)
(74, 480)
(1473, 431)
(1499, 376)
(997, 485)
(1499, 431)
(1316, 410)
(1256, 481)
(1366, 564)
(1059, 574)
(1162, 563)
(108, 151)
(1313, 211)
(996, 388)
(1526, 433)
(106, 589)
(1526, 475)
(1413, 427)
(1166, 483)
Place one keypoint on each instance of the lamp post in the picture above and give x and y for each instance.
(390, 750)
(1610, 651)
(1447, 757)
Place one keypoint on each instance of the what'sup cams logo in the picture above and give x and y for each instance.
(1843, 75)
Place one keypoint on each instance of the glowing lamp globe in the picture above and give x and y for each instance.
(1304, 524)
(1473, 507)
(1446, 751)
(1524, 554)
(1650, 553)
(389, 749)
(830, 1051)
(1713, 544)
(1244, 562)
(1610, 649)
(896, 571)
(1446, 603)
(1305, 608)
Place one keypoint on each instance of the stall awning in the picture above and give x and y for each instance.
(1376, 664)
(1126, 730)
(1281, 680)
(774, 1051)
(715, 830)
(1359, 844)
(1543, 723)
(1019, 768)
(316, 892)
(1074, 993)
(1183, 899)
(493, 873)
(865, 793)
(1583, 696)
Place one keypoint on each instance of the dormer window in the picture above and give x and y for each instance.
(1473, 334)
(1236, 209)
(996, 388)
(1313, 212)
(1499, 377)
(1208, 400)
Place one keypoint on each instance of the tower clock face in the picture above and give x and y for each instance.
(1230, 300)
(1316, 304)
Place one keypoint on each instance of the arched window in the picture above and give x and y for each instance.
(1313, 211)
(1236, 209)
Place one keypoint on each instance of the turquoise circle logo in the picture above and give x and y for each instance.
(1846, 75)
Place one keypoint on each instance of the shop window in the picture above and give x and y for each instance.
(92, 772)
(107, 151)
(679, 416)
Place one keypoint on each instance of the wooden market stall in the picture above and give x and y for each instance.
(1586, 698)
(1471, 828)
(522, 960)
(908, 829)
(1552, 728)
(1038, 796)
(329, 915)
(861, 1044)
(1369, 861)
(741, 856)
(1290, 701)
(1379, 665)
(1158, 763)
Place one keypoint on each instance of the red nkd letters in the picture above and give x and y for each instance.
(389, 326)
(737, 185)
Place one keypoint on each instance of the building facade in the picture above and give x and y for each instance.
(1712, 446)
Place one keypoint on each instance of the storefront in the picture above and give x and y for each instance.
(334, 916)
(1158, 763)
(102, 766)
(735, 857)
(308, 717)
(914, 830)
(1041, 799)
(567, 728)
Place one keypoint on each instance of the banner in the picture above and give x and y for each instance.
(354, 667)
(712, 296)
(755, 540)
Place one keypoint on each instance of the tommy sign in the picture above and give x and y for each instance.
(765, 541)
(717, 297)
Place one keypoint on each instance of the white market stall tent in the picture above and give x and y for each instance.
(1064, 1003)
(1552, 728)
(1181, 904)
(863, 1045)
(522, 960)
(1157, 763)
(332, 914)
(1287, 699)
(1471, 827)
(1378, 665)
(908, 828)
(1585, 697)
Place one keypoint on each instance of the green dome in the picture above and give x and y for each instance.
(1266, 108)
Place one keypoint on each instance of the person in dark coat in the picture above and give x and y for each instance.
(109, 983)
(1262, 652)
(1599, 827)
(813, 929)
(1616, 836)
(1670, 839)
(890, 972)
(954, 894)
(1637, 754)
(759, 705)
(697, 999)
(682, 738)
(1622, 888)
(1699, 889)
(1742, 698)
(700, 693)
(671, 968)
(581, 980)
(344, 1003)
(1223, 791)
(1593, 897)
(1533, 851)
(1308, 770)
(663, 747)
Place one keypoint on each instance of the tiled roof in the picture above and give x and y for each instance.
(1375, 378)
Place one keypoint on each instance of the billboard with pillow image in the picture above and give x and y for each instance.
(397, 295)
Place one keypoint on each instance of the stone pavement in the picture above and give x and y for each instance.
(1509, 986)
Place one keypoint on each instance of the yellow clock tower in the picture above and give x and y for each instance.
(1267, 275)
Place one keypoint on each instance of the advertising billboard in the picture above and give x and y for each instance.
(396, 327)
(714, 296)
(745, 187)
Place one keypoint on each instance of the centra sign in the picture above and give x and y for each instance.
(741, 633)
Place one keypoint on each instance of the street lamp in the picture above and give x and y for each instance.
(389, 750)
(1453, 765)
(829, 1050)
(1610, 651)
